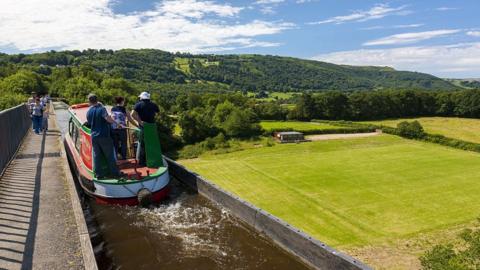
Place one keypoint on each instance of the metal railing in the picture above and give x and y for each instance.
(14, 124)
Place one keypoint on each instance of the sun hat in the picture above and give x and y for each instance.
(144, 95)
(92, 97)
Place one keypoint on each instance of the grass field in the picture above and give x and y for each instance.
(458, 128)
(295, 125)
(354, 193)
(274, 95)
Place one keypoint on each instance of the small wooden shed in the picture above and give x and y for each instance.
(289, 136)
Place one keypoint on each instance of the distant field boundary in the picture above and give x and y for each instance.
(427, 137)
(309, 250)
(346, 129)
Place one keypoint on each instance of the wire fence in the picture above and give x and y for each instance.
(14, 123)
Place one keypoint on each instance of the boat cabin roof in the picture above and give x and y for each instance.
(80, 112)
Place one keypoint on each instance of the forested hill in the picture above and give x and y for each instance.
(236, 72)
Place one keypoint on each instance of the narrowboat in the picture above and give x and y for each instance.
(139, 185)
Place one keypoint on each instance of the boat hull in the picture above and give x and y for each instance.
(123, 193)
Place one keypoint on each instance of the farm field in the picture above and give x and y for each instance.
(274, 95)
(363, 196)
(458, 128)
(295, 125)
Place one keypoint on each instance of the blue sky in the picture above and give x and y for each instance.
(437, 37)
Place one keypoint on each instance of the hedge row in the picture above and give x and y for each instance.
(439, 139)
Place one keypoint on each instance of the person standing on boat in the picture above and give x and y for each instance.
(119, 127)
(102, 143)
(36, 112)
(144, 111)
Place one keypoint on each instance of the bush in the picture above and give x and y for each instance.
(449, 257)
(211, 143)
(412, 130)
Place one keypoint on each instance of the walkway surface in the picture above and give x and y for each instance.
(37, 224)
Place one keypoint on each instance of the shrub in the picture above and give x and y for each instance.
(449, 257)
(410, 130)
(211, 143)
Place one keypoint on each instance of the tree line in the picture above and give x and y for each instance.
(377, 105)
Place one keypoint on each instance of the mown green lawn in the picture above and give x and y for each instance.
(295, 125)
(352, 193)
(458, 128)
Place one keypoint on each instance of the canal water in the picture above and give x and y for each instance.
(186, 231)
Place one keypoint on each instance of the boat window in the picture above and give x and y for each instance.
(76, 137)
(70, 127)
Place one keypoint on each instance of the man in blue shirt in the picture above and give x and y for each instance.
(99, 122)
(144, 111)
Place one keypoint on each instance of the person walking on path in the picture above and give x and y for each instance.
(36, 112)
(102, 143)
(44, 101)
(144, 111)
(119, 127)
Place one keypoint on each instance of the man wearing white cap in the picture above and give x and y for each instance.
(144, 111)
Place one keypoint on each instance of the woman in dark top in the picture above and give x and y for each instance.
(119, 128)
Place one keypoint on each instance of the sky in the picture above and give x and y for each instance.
(433, 36)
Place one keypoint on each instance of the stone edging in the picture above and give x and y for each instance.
(309, 250)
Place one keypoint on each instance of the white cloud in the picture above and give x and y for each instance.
(268, 6)
(410, 37)
(174, 25)
(377, 12)
(457, 60)
(446, 8)
(398, 26)
(266, 2)
(304, 1)
(474, 33)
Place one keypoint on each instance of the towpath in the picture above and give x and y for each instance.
(38, 228)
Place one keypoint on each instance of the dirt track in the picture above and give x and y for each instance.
(340, 136)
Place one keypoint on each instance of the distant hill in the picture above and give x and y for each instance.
(466, 83)
(237, 72)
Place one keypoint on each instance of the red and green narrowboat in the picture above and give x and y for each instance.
(139, 185)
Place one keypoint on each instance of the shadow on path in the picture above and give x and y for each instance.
(19, 204)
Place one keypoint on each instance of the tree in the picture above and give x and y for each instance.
(24, 82)
(410, 130)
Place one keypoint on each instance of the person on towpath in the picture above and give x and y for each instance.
(36, 112)
(119, 127)
(144, 111)
(102, 143)
(44, 101)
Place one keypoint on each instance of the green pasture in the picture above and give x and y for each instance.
(295, 125)
(182, 64)
(357, 192)
(458, 128)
